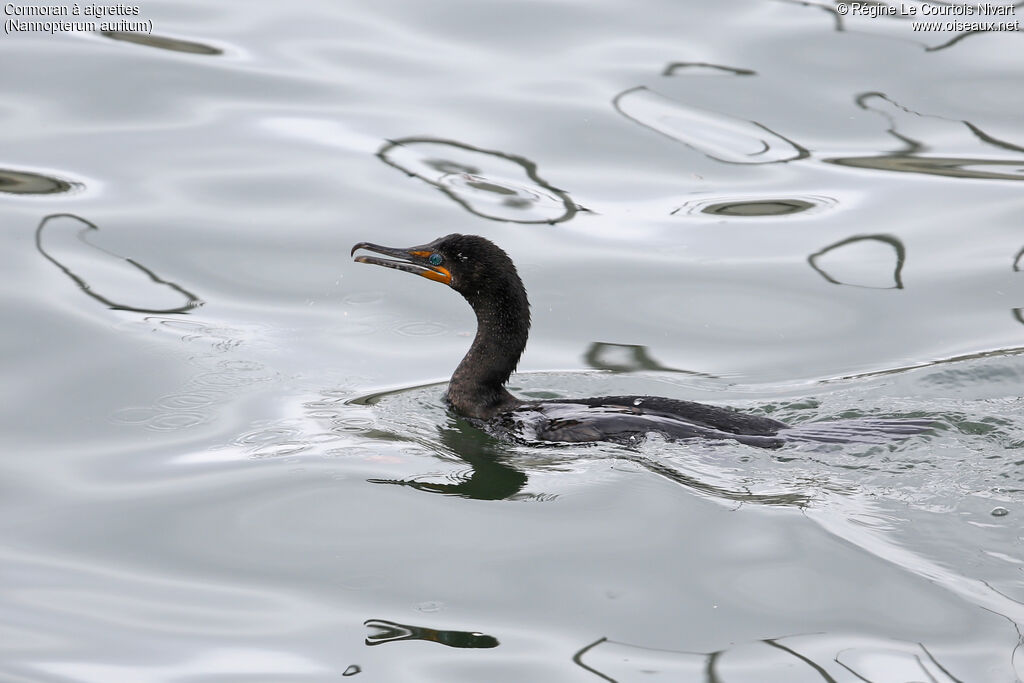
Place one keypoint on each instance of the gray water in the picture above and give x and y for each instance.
(225, 451)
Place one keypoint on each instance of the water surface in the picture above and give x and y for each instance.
(226, 454)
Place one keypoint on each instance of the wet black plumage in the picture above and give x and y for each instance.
(486, 277)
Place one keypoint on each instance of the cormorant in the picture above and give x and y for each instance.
(486, 277)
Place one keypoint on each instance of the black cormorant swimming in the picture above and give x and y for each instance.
(485, 276)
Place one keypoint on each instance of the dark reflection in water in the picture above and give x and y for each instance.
(392, 632)
(1018, 313)
(773, 207)
(817, 657)
(487, 183)
(622, 358)
(990, 139)
(889, 240)
(718, 136)
(836, 17)
(489, 478)
(23, 182)
(945, 166)
(738, 141)
(673, 67)
(163, 42)
(191, 300)
(957, 38)
(909, 159)
(627, 358)
(755, 208)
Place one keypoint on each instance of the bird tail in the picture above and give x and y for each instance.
(858, 430)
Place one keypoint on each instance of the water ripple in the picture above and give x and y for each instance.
(825, 657)
(218, 381)
(361, 298)
(758, 207)
(199, 398)
(173, 421)
(704, 67)
(94, 259)
(487, 183)
(869, 265)
(907, 127)
(717, 135)
(422, 328)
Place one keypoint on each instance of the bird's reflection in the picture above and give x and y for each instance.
(487, 183)
(86, 227)
(900, 254)
(489, 477)
(393, 632)
(493, 477)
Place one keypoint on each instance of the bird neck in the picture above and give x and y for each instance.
(502, 327)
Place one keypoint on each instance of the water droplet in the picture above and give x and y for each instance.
(352, 670)
(637, 401)
(1000, 512)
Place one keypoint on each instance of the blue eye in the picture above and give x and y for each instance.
(435, 259)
